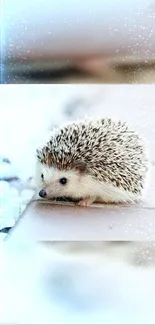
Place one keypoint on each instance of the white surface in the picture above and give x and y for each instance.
(114, 224)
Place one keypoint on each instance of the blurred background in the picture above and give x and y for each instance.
(78, 283)
(70, 41)
(29, 112)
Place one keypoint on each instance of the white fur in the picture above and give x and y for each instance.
(79, 186)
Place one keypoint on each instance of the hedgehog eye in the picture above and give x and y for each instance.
(63, 180)
(42, 176)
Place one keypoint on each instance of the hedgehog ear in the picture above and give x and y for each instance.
(80, 166)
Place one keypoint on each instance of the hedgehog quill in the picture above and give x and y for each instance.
(92, 160)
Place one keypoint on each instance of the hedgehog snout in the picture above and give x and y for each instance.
(42, 193)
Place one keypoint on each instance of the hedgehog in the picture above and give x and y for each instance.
(92, 160)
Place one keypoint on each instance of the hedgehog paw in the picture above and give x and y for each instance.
(86, 201)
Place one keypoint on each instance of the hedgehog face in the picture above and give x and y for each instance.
(53, 183)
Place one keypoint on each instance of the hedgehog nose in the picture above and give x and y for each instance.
(42, 193)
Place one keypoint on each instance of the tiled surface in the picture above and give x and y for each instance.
(51, 222)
